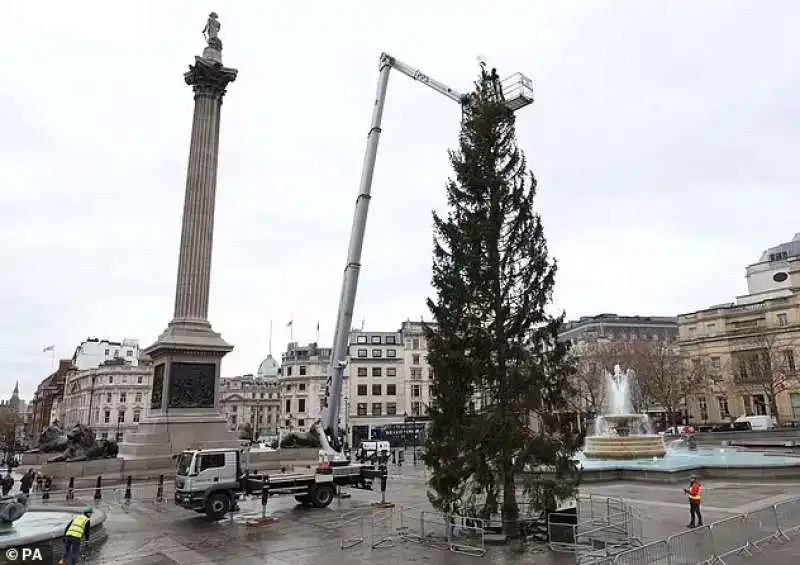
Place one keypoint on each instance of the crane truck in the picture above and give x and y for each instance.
(210, 481)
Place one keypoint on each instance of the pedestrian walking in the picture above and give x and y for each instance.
(7, 483)
(75, 536)
(693, 493)
(26, 482)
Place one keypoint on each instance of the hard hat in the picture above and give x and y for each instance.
(87, 510)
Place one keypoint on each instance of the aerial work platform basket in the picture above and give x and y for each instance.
(517, 91)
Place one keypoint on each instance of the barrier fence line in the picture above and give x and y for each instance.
(382, 530)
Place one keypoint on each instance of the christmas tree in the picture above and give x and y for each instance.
(500, 373)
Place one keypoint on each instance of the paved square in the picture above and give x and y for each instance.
(145, 534)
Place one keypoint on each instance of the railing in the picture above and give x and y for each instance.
(744, 534)
(459, 534)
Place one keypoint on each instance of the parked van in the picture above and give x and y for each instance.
(759, 423)
(370, 448)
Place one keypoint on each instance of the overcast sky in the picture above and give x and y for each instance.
(664, 135)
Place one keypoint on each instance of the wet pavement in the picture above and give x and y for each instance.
(145, 533)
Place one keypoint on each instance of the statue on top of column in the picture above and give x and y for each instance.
(211, 31)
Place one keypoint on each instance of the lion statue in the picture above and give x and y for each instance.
(51, 440)
(82, 446)
(301, 439)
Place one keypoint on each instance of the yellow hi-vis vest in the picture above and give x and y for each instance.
(77, 527)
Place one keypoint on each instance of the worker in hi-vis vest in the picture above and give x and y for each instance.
(77, 532)
(693, 492)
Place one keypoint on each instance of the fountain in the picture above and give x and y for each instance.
(621, 433)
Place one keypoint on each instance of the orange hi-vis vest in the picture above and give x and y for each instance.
(694, 493)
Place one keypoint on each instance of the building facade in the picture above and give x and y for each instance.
(111, 399)
(47, 399)
(302, 379)
(253, 399)
(13, 420)
(750, 346)
(93, 352)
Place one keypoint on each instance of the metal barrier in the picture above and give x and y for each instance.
(656, 553)
(693, 546)
(730, 537)
(788, 514)
(467, 536)
(382, 530)
(762, 526)
(605, 527)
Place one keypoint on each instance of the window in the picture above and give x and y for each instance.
(108, 397)
(361, 409)
(288, 405)
(376, 371)
(129, 353)
(110, 380)
(361, 390)
(210, 461)
(391, 353)
(233, 420)
(783, 319)
(301, 386)
(415, 343)
(760, 405)
(104, 435)
(234, 409)
(107, 351)
(391, 371)
(375, 340)
(788, 360)
(361, 339)
(123, 397)
(391, 340)
(301, 404)
(716, 364)
(121, 417)
(107, 417)
(416, 391)
(139, 380)
(416, 373)
(124, 380)
(703, 406)
(288, 371)
(362, 352)
(116, 353)
(415, 359)
(376, 390)
(724, 412)
(362, 371)
(301, 422)
(302, 370)
(415, 408)
(137, 397)
(377, 409)
(391, 390)
(136, 417)
(391, 408)
(96, 416)
(377, 353)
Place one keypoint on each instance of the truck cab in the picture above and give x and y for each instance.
(207, 480)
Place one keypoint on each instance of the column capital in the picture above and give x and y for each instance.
(209, 77)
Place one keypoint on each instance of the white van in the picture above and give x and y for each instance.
(375, 447)
(759, 423)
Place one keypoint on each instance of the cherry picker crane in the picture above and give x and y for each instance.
(516, 93)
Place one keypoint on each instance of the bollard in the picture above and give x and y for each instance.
(128, 489)
(264, 495)
(71, 489)
(48, 482)
(384, 479)
(415, 455)
(160, 489)
(394, 457)
(98, 489)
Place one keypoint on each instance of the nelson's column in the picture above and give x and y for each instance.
(188, 354)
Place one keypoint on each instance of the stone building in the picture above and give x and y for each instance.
(46, 400)
(750, 346)
(253, 399)
(111, 399)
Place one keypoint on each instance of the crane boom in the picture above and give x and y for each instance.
(327, 427)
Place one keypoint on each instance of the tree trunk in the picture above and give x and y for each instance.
(773, 407)
(672, 418)
(510, 510)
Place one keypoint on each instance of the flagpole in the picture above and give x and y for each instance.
(317, 332)
(270, 338)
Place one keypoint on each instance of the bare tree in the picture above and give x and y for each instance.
(766, 366)
(663, 375)
(594, 359)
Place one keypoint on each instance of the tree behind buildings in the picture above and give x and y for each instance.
(495, 347)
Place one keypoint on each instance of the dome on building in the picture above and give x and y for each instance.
(268, 369)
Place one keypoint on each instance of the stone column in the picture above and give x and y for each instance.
(209, 79)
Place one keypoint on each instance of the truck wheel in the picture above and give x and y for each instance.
(322, 495)
(303, 499)
(217, 505)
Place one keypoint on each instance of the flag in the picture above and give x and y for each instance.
(49, 348)
(317, 325)
(290, 324)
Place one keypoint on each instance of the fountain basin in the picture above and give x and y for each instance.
(624, 447)
(43, 527)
